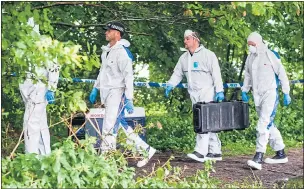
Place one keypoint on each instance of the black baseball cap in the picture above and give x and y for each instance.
(115, 26)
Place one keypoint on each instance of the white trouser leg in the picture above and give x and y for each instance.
(202, 143)
(133, 138)
(111, 112)
(264, 112)
(45, 139)
(210, 142)
(214, 144)
(36, 131)
(275, 139)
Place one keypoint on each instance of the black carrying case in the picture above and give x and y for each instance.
(224, 116)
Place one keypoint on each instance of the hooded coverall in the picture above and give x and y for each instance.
(261, 70)
(115, 81)
(35, 127)
(204, 81)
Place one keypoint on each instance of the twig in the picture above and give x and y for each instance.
(6, 174)
(6, 130)
(153, 171)
(12, 154)
(139, 33)
(71, 129)
(90, 25)
(21, 140)
(76, 26)
(58, 123)
(63, 33)
(74, 3)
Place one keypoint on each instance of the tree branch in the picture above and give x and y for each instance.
(98, 25)
(80, 3)
(76, 26)
(161, 19)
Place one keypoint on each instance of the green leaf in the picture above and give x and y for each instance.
(56, 166)
(160, 173)
(94, 48)
(21, 45)
(82, 106)
(64, 162)
(27, 9)
(75, 178)
(61, 175)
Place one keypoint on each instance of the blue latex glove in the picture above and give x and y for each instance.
(169, 88)
(219, 97)
(129, 106)
(287, 99)
(245, 98)
(50, 96)
(93, 95)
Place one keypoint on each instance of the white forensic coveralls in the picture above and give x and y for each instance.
(115, 82)
(36, 131)
(261, 69)
(203, 83)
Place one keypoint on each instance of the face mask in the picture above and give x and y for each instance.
(252, 49)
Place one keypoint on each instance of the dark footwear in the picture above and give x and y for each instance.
(280, 157)
(257, 160)
(196, 156)
(217, 157)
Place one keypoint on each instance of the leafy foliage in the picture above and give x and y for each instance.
(23, 50)
(72, 32)
(72, 166)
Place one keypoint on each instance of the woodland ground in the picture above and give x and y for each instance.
(234, 168)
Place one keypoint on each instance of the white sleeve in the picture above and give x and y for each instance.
(280, 72)
(97, 82)
(53, 74)
(247, 77)
(125, 66)
(177, 75)
(216, 73)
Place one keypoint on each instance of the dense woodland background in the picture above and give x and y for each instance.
(73, 32)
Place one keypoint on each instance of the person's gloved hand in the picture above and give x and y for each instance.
(245, 98)
(169, 88)
(219, 97)
(287, 99)
(93, 95)
(50, 96)
(129, 106)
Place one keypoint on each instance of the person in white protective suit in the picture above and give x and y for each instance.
(115, 82)
(204, 85)
(263, 70)
(36, 94)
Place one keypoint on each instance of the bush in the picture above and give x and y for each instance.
(71, 166)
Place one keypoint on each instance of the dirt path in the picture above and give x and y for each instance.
(232, 169)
